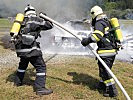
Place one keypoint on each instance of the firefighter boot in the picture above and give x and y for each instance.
(39, 86)
(43, 91)
(17, 81)
(110, 91)
(101, 86)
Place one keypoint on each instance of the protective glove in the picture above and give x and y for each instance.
(85, 41)
(120, 46)
(46, 19)
(12, 40)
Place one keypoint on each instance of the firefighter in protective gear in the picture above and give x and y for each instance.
(106, 50)
(28, 49)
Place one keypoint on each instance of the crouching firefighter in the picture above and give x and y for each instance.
(28, 49)
(107, 49)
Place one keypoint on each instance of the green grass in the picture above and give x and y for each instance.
(5, 23)
(71, 78)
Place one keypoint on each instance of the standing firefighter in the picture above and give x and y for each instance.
(28, 49)
(107, 49)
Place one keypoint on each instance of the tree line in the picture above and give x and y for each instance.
(122, 9)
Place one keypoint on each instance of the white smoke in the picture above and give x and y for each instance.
(59, 9)
(126, 53)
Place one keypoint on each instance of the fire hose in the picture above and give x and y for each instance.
(93, 51)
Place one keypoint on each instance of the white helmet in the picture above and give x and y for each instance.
(29, 10)
(96, 10)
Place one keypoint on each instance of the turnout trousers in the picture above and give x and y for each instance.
(109, 88)
(40, 66)
(103, 73)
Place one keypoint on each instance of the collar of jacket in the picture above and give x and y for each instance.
(101, 16)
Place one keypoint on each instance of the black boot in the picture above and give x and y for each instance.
(101, 86)
(43, 91)
(17, 81)
(110, 91)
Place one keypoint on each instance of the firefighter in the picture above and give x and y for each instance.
(106, 49)
(28, 49)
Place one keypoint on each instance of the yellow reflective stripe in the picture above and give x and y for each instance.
(109, 81)
(94, 35)
(106, 51)
(107, 54)
(99, 32)
(107, 28)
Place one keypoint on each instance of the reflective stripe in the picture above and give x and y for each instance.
(30, 22)
(108, 54)
(93, 39)
(29, 36)
(109, 82)
(106, 51)
(96, 38)
(99, 32)
(40, 74)
(107, 40)
(107, 28)
(101, 81)
(27, 50)
(20, 70)
(39, 23)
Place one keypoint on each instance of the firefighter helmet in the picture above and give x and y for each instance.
(29, 10)
(95, 11)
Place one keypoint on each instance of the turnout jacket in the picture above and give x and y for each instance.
(102, 36)
(26, 44)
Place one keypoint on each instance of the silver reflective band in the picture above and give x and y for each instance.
(40, 74)
(29, 22)
(101, 80)
(27, 50)
(107, 54)
(39, 23)
(20, 70)
(29, 36)
(93, 39)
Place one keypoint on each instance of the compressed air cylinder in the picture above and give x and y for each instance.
(17, 24)
(116, 26)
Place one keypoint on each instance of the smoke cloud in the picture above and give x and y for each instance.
(58, 9)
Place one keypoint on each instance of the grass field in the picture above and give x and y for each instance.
(5, 23)
(70, 77)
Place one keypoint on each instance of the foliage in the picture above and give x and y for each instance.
(110, 6)
(121, 4)
(122, 9)
(121, 14)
